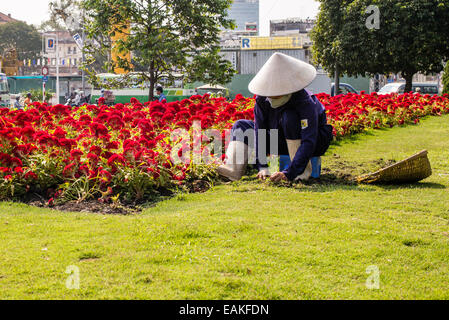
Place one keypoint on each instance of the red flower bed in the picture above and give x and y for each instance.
(127, 151)
(354, 113)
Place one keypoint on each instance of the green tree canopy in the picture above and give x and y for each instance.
(164, 36)
(24, 38)
(412, 37)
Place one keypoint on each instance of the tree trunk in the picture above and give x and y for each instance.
(337, 81)
(152, 79)
(408, 76)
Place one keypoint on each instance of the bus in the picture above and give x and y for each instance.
(140, 91)
(5, 97)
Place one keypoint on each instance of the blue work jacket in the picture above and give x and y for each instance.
(302, 117)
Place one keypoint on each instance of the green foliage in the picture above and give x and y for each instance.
(22, 37)
(81, 189)
(326, 34)
(446, 79)
(412, 37)
(164, 37)
(36, 94)
(137, 185)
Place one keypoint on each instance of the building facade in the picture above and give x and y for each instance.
(70, 56)
(291, 26)
(248, 54)
(245, 13)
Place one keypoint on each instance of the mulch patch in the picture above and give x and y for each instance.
(124, 208)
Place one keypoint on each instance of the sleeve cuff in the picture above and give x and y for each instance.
(289, 175)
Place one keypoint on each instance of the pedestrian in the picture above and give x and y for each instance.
(160, 93)
(82, 98)
(17, 103)
(77, 98)
(27, 100)
(296, 115)
(102, 93)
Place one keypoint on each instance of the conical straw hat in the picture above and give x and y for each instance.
(282, 75)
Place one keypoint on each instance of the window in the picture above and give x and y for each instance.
(74, 50)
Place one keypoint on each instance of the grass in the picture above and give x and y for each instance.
(248, 240)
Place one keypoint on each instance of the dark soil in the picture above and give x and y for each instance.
(93, 206)
(123, 208)
(199, 186)
(96, 207)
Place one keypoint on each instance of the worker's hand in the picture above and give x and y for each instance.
(263, 174)
(278, 177)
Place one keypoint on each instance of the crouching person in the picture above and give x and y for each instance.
(289, 115)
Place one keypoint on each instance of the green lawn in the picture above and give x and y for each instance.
(249, 240)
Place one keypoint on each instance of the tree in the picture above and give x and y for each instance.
(24, 38)
(446, 78)
(411, 37)
(326, 37)
(163, 36)
(64, 15)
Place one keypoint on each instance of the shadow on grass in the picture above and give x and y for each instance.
(331, 182)
(317, 186)
(417, 185)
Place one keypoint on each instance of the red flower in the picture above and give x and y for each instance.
(97, 129)
(116, 159)
(69, 170)
(18, 170)
(31, 175)
(95, 150)
(76, 154)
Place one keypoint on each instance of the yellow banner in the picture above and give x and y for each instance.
(267, 43)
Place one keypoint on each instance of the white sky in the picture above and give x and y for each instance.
(35, 11)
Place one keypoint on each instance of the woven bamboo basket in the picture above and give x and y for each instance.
(413, 169)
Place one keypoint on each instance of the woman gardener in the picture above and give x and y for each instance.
(284, 109)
